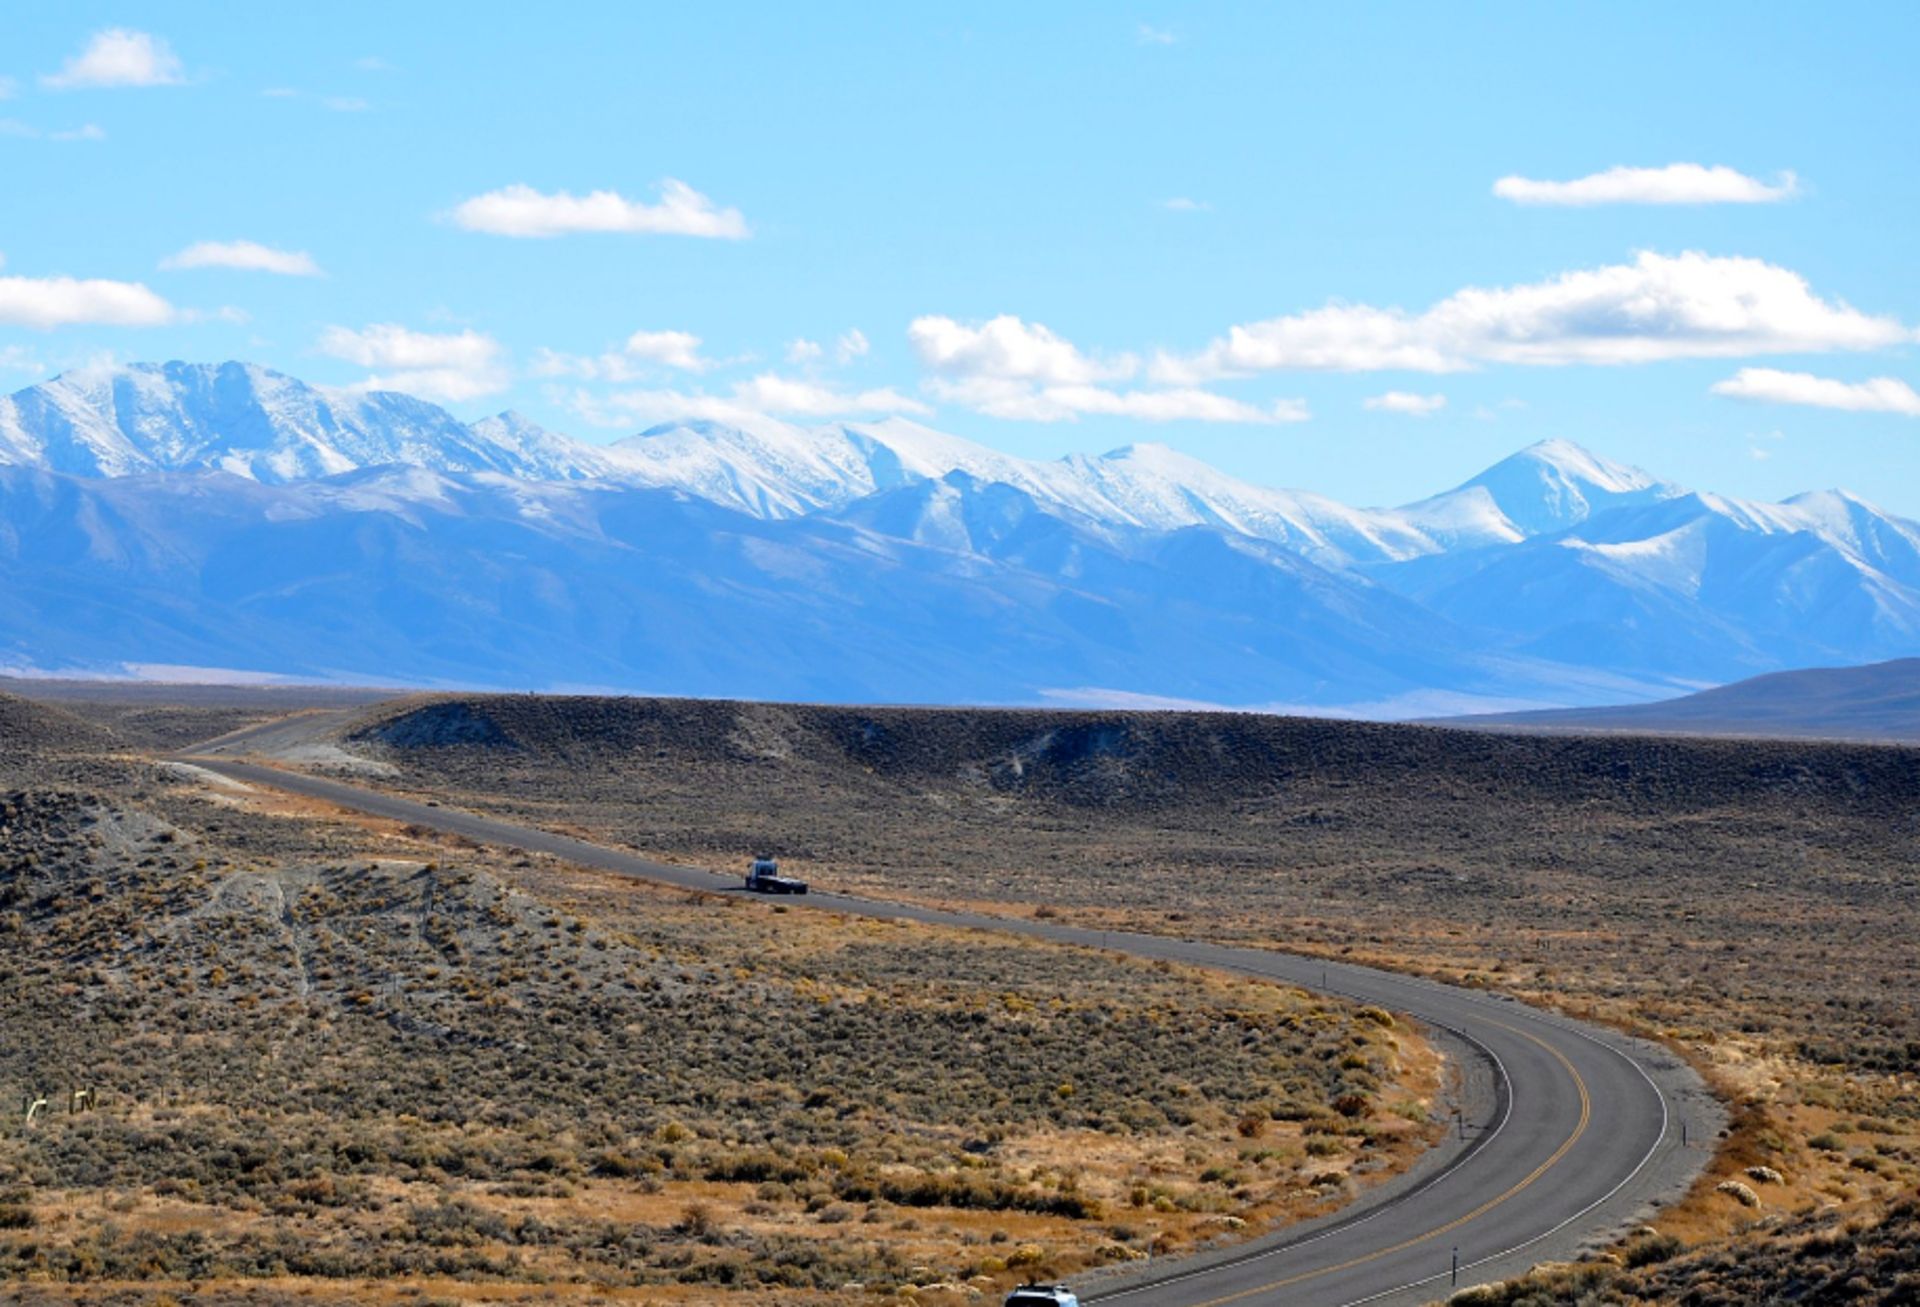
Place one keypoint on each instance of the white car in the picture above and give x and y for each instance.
(1042, 1295)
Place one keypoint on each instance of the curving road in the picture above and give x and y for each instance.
(1575, 1132)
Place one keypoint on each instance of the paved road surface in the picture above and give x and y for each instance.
(1578, 1132)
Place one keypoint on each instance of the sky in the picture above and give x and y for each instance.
(1360, 249)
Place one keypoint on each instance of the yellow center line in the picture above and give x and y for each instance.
(1586, 1114)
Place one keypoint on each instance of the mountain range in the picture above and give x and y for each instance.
(162, 517)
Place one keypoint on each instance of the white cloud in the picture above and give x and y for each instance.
(1007, 348)
(1024, 402)
(673, 349)
(1009, 368)
(1657, 307)
(225, 313)
(554, 363)
(27, 131)
(47, 302)
(1771, 386)
(280, 93)
(770, 393)
(642, 350)
(119, 56)
(523, 211)
(764, 395)
(8, 88)
(1147, 34)
(244, 256)
(1677, 183)
(1185, 204)
(1403, 401)
(373, 63)
(18, 358)
(450, 366)
(345, 104)
(850, 345)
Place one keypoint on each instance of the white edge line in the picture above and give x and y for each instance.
(1666, 1119)
(1500, 1070)
(1571, 1027)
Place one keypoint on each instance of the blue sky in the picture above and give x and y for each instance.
(1053, 228)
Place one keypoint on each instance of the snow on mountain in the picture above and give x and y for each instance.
(117, 420)
(762, 466)
(411, 575)
(1697, 585)
(536, 453)
(1152, 486)
(891, 550)
(1544, 488)
(236, 417)
(775, 469)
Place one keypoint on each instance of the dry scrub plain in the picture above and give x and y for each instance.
(1754, 904)
(337, 1058)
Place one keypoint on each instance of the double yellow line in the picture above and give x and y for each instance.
(1586, 1115)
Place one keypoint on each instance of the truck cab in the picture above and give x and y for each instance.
(1042, 1295)
(764, 877)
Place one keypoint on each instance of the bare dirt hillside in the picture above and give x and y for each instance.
(29, 730)
(1880, 701)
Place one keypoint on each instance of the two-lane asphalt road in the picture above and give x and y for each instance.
(1579, 1130)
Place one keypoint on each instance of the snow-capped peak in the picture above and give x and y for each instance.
(119, 419)
(1545, 488)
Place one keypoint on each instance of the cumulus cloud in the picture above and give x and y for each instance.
(765, 395)
(802, 350)
(48, 302)
(119, 56)
(522, 211)
(1677, 183)
(673, 349)
(1148, 34)
(1009, 349)
(1655, 308)
(244, 256)
(641, 351)
(1010, 368)
(1771, 386)
(1185, 204)
(450, 366)
(1403, 401)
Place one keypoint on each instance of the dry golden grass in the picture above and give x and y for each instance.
(340, 1060)
(1750, 903)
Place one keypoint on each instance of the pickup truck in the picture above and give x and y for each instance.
(1042, 1295)
(764, 878)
